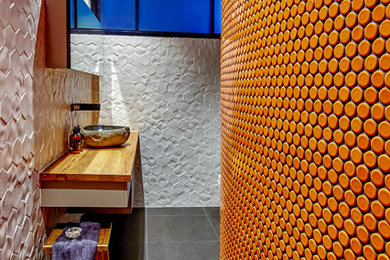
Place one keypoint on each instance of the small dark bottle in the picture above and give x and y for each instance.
(75, 141)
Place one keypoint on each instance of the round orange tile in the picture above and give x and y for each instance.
(377, 112)
(378, 46)
(357, 5)
(384, 62)
(370, 127)
(363, 203)
(384, 229)
(363, 142)
(377, 79)
(377, 209)
(384, 96)
(370, 159)
(378, 14)
(384, 197)
(362, 234)
(351, 50)
(377, 178)
(384, 29)
(371, 30)
(384, 163)
(384, 129)
(370, 3)
(369, 252)
(356, 246)
(357, 94)
(364, 16)
(356, 155)
(357, 64)
(356, 185)
(357, 33)
(364, 49)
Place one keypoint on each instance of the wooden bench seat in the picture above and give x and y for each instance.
(102, 247)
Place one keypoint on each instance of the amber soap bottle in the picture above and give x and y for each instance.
(75, 141)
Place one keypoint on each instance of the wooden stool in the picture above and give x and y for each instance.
(102, 246)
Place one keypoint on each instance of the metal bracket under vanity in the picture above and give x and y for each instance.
(97, 180)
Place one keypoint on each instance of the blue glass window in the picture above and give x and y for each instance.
(71, 10)
(85, 17)
(118, 14)
(172, 16)
(217, 16)
(190, 16)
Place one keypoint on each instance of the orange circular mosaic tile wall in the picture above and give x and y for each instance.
(305, 129)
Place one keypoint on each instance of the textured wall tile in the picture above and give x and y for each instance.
(168, 89)
(53, 119)
(35, 120)
(17, 178)
(305, 104)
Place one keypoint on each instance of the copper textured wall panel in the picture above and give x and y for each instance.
(305, 129)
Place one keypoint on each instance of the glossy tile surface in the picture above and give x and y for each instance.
(164, 233)
(180, 228)
(184, 250)
(305, 115)
(213, 216)
(176, 212)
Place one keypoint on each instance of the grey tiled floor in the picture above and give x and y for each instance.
(166, 234)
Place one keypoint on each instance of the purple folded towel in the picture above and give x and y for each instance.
(81, 248)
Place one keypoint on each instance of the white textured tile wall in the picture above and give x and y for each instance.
(21, 222)
(169, 90)
(35, 121)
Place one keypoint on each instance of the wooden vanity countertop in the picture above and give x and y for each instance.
(113, 164)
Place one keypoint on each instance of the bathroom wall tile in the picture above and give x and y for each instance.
(155, 86)
(18, 30)
(34, 124)
(4, 59)
(54, 120)
(168, 89)
(346, 162)
(90, 59)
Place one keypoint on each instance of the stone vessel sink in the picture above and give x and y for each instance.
(105, 135)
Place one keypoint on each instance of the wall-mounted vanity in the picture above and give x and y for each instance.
(97, 179)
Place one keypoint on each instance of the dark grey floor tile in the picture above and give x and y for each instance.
(215, 223)
(213, 214)
(175, 212)
(127, 252)
(129, 229)
(212, 211)
(180, 228)
(163, 250)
